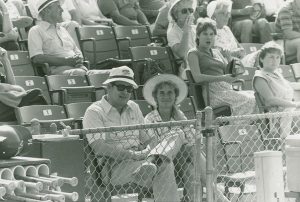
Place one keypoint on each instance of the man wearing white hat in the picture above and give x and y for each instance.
(145, 166)
(50, 43)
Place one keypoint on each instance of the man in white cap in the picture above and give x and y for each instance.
(48, 42)
(145, 166)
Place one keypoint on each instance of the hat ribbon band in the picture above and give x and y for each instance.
(44, 4)
(126, 77)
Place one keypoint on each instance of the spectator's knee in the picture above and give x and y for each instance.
(262, 22)
(247, 24)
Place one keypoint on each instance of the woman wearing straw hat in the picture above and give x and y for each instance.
(165, 92)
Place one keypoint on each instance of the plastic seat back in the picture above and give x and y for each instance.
(30, 82)
(97, 43)
(131, 36)
(21, 63)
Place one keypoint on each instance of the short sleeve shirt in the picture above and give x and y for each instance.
(288, 18)
(103, 114)
(52, 40)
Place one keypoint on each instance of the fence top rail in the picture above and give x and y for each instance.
(134, 127)
(258, 116)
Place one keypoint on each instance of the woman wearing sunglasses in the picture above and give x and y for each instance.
(181, 29)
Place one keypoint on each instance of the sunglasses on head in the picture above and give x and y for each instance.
(121, 87)
(186, 10)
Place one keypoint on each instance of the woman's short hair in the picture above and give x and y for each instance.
(269, 47)
(164, 83)
(204, 24)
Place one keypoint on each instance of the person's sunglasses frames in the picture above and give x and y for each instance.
(121, 87)
(186, 10)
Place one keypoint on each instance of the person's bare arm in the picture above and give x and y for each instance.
(57, 61)
(290, 34)
(10, 77)
(199, 77)
(264, 90)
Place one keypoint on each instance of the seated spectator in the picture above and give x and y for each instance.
(208, 65)
(8, 36)
(225, 41)
(287, 23)
(151, 8)
(181, 30)
(123, 12)
(276, 93)
(90, 13)
(135, 158)
(48, 42)
(161, 24)
(249, 19)
(165, 92)
(13, 96)
(70, 16)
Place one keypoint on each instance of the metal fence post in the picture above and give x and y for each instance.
(197, 160)
(208, 133)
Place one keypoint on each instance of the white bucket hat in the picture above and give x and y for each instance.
(42, 4)
(122, 73)
(154, 81)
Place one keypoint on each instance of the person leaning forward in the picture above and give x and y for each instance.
(146, 166)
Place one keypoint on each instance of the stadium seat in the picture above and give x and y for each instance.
(30, 82)
(145, 107)
(131, 36)
(251, 47)
(247, 76)
(237, 144)
(97, 80)
(77, 111)
(70, 89)
(195, 90)
(145, 58)
(287, 72)
(98, 45)
(188, 107)
(45, 114)
(21, 63)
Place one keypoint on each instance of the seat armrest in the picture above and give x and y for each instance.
(112, 62)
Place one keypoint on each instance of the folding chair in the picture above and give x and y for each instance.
(70, 89)
(45, 114)
(157, 57)
(97, 80)
(21, 63)
(30, 82)
(99, 46)
(145, 107)
(237, 145)
(77, 111)
(251, 47)
(196, 89)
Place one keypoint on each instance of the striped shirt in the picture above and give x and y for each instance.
(288, 18)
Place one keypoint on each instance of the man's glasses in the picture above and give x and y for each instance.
(186, 10)
(121, 87)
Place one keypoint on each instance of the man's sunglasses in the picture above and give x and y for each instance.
(186, 10)
(121, 87)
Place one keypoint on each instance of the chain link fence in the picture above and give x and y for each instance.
(119, 165)
(236, 140)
